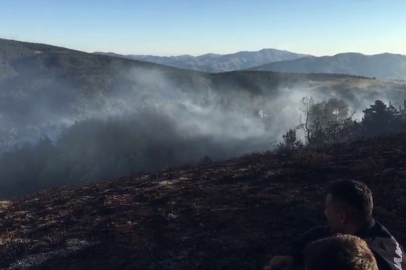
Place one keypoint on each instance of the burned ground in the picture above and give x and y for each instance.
(224, 215)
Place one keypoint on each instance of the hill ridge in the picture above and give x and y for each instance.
(384, 66)
(216, 63)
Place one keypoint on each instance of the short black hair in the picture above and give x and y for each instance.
(355, 194)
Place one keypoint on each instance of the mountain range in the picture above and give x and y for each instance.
(40, 81)
(381, 66)
(214, 63)
(384, 66)
(60, 79)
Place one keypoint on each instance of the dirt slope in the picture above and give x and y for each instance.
(228, 215)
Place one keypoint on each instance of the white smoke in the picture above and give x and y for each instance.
(197, 109)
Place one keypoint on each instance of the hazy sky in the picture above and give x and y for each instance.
(173, 27)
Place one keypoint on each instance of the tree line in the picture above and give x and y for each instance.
(332, 122)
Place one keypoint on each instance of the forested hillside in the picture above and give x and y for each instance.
(68, 117)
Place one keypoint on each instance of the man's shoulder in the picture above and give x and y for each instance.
(320, 229)
(316, 232)
(379, 231)
(390, 252)
(296, 246)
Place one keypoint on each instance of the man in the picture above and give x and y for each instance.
(344, 252)
(349, 208)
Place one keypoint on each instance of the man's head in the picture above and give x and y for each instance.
(339, 252)
(349, 205)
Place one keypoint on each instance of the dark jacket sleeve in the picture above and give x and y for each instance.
(297, 246)
(388, 253)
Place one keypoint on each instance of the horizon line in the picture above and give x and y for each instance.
(199, 55)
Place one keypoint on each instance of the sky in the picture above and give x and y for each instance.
(195, 27)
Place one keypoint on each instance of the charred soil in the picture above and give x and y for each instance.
(222, 215)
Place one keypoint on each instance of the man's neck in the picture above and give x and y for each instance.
(357, 228)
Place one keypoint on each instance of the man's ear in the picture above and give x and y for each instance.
(342, 216)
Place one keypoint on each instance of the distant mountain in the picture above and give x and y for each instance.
(215, 63)
(381, 66)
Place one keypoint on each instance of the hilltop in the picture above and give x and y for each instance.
(382, 66)
(225, 215)
(40, 83)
